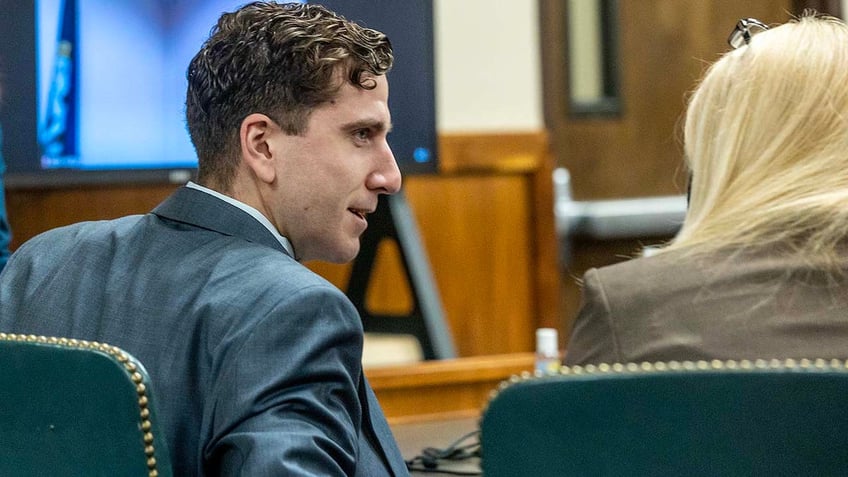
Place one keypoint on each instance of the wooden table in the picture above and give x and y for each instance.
(435, 403)
(414, 437)
(443, 389)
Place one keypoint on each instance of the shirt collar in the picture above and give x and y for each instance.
(250, 210)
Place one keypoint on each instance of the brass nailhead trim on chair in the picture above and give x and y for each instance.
(666, 366)
(129, 366)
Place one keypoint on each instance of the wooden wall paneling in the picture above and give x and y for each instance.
(492, 153)
(478, 234)
(32, 211)
(548, 309)
(530, 155)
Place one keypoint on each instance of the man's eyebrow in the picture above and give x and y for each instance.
(374, 124)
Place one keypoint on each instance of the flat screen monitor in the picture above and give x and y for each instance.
(94, 90)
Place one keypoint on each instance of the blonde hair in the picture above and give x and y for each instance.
(766, 141)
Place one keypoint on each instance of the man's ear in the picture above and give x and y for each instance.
(255, 132)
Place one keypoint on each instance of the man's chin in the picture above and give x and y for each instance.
(343, 255)
(339, 252)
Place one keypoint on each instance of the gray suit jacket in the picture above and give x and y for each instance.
(255, 360)
(722, 306)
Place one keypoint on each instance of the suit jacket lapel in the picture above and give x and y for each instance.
(199, 209)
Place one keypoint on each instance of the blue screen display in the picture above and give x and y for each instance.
(94, 90)
(111, 90)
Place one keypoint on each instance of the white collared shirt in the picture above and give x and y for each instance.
(250, 210)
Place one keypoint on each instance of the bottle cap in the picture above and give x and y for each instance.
(547, 341)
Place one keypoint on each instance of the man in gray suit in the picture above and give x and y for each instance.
(255, 360)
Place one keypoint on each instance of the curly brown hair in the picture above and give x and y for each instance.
(281, 60)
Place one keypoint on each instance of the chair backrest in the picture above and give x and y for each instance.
(692, 418)
(76, 408)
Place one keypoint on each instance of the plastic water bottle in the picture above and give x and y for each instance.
(548, 358)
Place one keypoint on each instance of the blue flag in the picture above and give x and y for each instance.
(58, 133)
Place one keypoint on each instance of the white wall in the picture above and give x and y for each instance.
(488, 66)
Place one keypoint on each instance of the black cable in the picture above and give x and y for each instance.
(431, 458)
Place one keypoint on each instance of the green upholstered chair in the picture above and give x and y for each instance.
(719, 418)
(76, 408)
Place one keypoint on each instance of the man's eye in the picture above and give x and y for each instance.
(362, 134)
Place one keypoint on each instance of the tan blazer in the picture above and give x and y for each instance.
(725, 306)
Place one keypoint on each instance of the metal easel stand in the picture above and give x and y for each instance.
(426, 321)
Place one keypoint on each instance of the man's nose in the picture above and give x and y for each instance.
(387, 177)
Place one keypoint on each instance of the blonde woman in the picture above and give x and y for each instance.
(759, 268)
